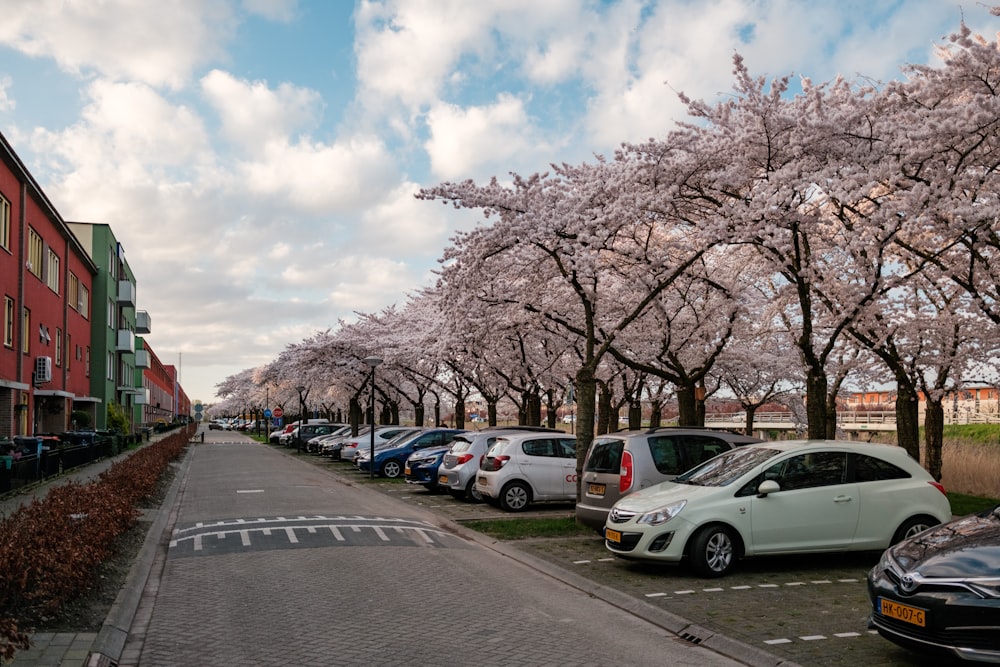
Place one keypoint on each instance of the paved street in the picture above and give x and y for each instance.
(272, 561)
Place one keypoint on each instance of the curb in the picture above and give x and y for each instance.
(110, 642)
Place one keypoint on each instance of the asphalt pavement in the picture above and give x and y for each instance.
(259, 557)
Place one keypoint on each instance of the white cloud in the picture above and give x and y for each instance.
(402, 225)
(158, 43)
(6, 102)
(274, 10)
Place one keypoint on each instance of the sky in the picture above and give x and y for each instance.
(257, 159)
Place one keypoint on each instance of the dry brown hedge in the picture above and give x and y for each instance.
(51, 549)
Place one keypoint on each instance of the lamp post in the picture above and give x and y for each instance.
(302, 414)
(372, 362)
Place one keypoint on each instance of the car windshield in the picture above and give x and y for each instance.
(401, 438)
(727, 467)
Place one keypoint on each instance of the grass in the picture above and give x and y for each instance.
(523, 528)
(963, 504)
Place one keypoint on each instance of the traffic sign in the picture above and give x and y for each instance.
(267, 413)
(277, 412)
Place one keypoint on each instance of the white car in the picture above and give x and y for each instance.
(778, 498)
(522, 468)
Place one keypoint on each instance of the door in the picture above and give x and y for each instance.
(541, 467)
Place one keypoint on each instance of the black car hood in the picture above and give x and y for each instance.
(967, 547)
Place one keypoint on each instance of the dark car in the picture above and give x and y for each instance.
(390, 461)
(422, 467)
(940, 590)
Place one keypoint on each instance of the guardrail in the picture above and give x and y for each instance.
(848, 420)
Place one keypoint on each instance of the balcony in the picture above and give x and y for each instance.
(142, 322)
(125, 341)
(142, 359)
(126, 293)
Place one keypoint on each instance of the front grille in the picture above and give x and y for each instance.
(983, 638)
(628, 543)
(620, 516)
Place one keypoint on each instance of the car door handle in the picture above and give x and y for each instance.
(843, 499)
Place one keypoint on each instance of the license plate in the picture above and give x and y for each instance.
(481, 481)
(903, 612)
(596, 489)
(406, 472)
(612, 535)
(443, 479)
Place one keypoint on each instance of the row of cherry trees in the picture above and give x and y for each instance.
(776, 245)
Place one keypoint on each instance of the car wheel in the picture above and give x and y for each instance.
(912, 526)
(391, 469)
(713, 551)
(472, 493)
(515, 496)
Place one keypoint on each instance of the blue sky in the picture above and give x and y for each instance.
(258, 158)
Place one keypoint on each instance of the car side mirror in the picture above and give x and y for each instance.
(767, 487)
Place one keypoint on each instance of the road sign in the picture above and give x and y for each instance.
(267, 413)
(277, 412)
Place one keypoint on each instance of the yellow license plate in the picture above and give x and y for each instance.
(596, 489)
(406, 472)
(482, 480)
(612, 535)
(903, 612)
(442, 479)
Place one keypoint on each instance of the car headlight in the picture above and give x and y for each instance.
(662, 514)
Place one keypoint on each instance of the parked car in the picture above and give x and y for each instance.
(422, 467)
(354, 446)
(940, 590)
(522, 468)
(306, 432)
(332, 445)
(620, 463)
(390, 460)
(275, 437)
(797, 496)
(216, 425)
(317, 442)
(459, 466)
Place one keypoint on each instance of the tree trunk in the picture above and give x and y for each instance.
(655, 414)
(603, 410)
(933, 437)
(418, 414)
(907, 418)
(551, 407)
(354, 410)
(491, 413)
(635, 415)
(816, 385)
(748, 426)
(586, 391)
(831, 416)
(534, 408)
(687, 406)
(437, 412)
(460, 413)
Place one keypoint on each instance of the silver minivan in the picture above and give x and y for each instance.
(619, 463)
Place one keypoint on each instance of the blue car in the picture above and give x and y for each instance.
(422, 467)
(390, 461)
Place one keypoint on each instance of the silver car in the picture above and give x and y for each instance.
(458, 471)
(620, 463)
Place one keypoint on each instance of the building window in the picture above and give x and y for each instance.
(25, 328)
(35, 247)
(111, 366)
(86, 363)
(84, 302)
(52, 276)
(69, 350)
(73, 292)
(8, 321)
(59, 347)
(4, 223)
(112, 319)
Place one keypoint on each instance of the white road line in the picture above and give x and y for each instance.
(847, 634)
(772, 642)
(655, 595)
(292, 537)
(381, 534)
(336, 533)
(245, 537)
(812, 638)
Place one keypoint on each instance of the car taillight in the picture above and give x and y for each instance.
(500, 461)
(625, 481)
(464, 458)
(939, 486)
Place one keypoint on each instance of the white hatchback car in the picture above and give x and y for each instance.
(778, 498)
(522, 468)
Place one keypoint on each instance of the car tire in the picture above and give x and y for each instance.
(391, 469)
(515, 497)
(472, 493)
(713, 551)
(912, 526)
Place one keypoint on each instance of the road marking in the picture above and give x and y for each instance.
(249, 490)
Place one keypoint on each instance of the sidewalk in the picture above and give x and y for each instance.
(66, 649)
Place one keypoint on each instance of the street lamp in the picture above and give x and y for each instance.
(302, 414)
(373, 362)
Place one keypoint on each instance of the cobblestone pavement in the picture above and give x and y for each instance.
(810, 610)
(272, 561)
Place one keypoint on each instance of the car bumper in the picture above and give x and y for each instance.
(594, 517)
(651, 543)
(425, 476)
(955, 622)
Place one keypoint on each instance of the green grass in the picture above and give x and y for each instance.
(523, 528)
(962, 504)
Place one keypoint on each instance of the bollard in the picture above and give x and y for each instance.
(203, 436)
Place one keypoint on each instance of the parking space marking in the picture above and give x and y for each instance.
(268, 533)
(815, 638)
(743, 587)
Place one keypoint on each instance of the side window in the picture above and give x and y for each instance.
(606, 456)
(537, 447)
(871, 469)
(663, 450)
(699, 448)
(807, 471)
(566, 448)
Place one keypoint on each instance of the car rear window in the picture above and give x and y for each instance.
(606, 456)
(460, 444)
